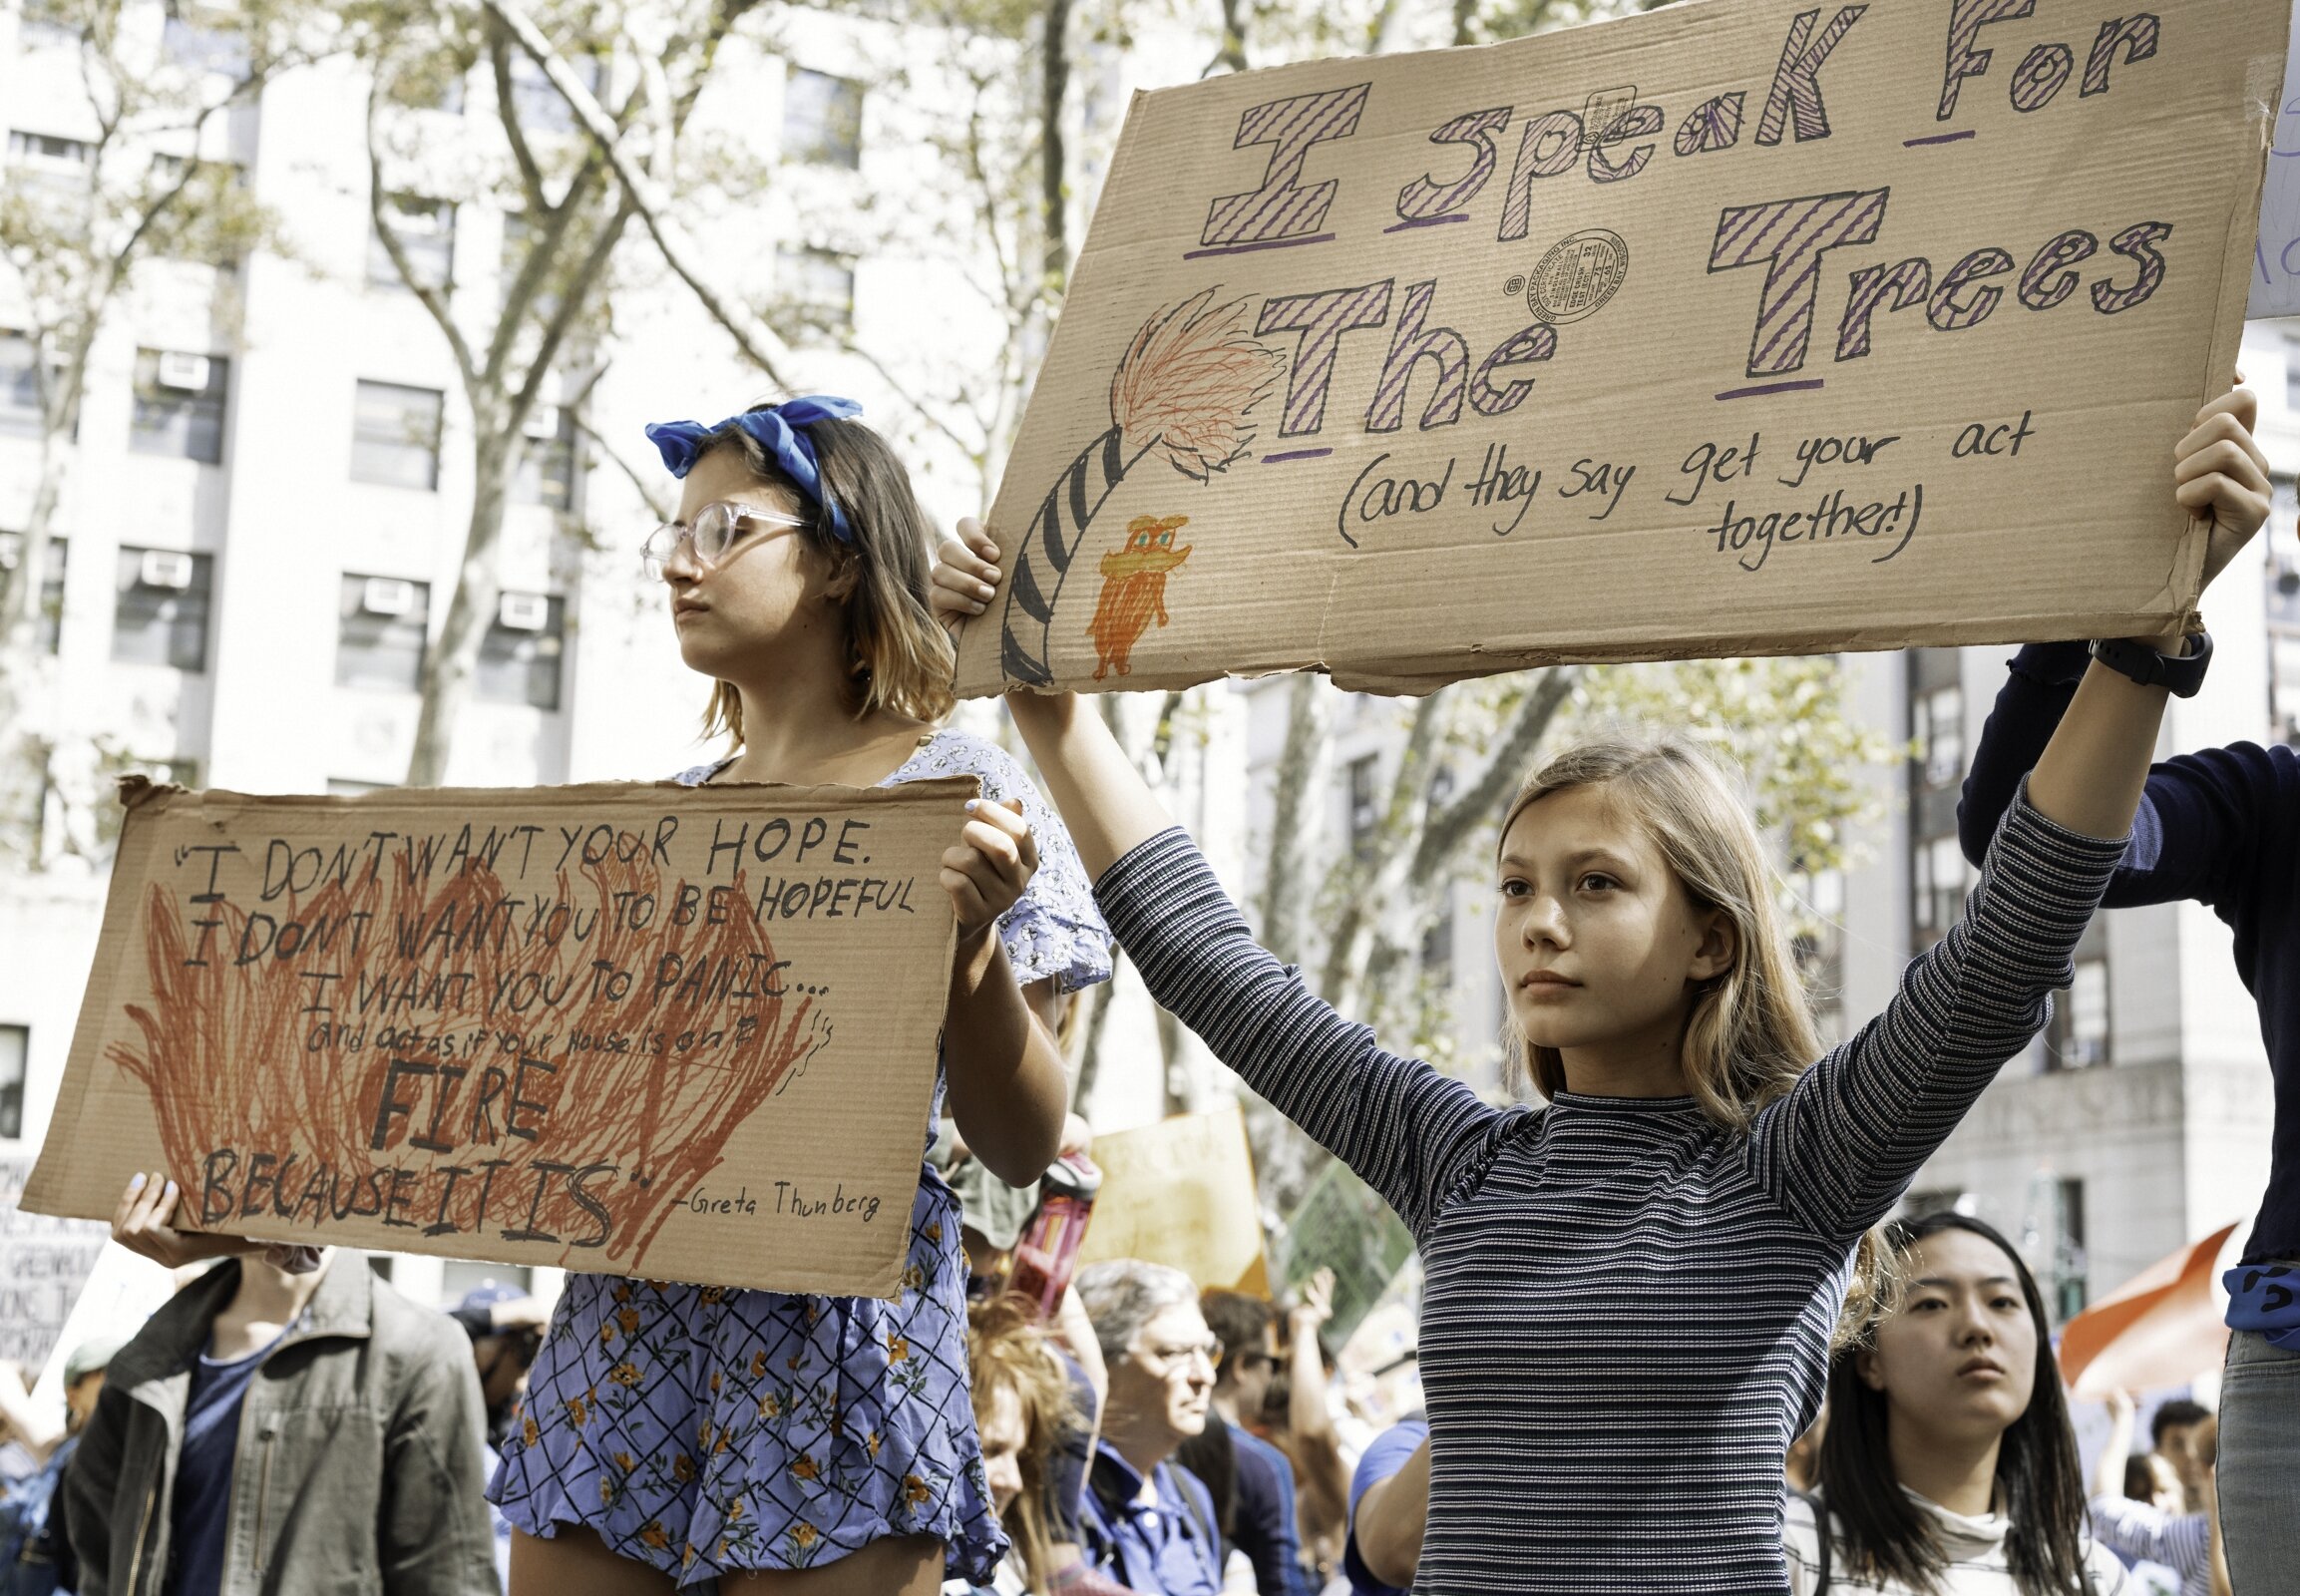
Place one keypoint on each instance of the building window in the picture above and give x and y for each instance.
(425, 230)
(1938, 878)
(47, 22)
(822, 119)
(1364, 808)
(536, 100)
(20, 415)
(180, 405)
(47, 153)
(818, 288)
(1940, 885)
(161, 614)
(2080, 1036)
(2070, 1267)
(203, 39)
(395, 435)
(380, 639)
(48, 624)
(519, 658)
(1939, 733)
(546, 467)
(15, 1044)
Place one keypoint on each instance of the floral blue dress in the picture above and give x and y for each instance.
(706, 1428)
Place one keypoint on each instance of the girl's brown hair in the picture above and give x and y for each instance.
(900, 659)
(1751, 1033)
(1005, 1351)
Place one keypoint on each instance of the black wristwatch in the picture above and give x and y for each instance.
(2182, 675)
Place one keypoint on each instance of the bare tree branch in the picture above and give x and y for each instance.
(759, 343)
(529, 174)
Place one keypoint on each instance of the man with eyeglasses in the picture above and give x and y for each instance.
(1148, 1522)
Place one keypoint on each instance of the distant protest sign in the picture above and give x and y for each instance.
(44, 1263)
(2276, 254)
(1746, 326)
(671, 1033)
(1181, 1193)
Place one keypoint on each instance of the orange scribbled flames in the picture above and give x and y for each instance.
(257, 1056)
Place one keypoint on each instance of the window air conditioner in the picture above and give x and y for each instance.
(186, 372)
(387, 595)
(165, 568)
(543, 422)
(524, 612)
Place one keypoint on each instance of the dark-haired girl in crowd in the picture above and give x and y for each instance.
(674, 1434)
(1949, 1467)
(1636, 1283)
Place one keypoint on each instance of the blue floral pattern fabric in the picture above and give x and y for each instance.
(704, 1429)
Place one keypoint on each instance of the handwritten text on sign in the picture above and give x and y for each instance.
(1743, 325)
(643, 1029)
(44, 1263)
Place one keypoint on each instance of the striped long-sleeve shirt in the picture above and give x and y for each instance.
(1628, 1308)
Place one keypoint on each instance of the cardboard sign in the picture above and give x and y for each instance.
(2276, 254)
(685, 1034)
(1746, 326)
(1181, 1193)
(43, 1264)
(1342, 1224)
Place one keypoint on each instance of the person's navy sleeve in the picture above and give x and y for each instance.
(2201, 819)
(1383, 1460)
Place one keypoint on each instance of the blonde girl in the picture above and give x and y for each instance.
(1630, 1288)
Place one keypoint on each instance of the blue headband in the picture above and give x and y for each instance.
(780, 431)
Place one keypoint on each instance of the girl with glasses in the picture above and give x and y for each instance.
(819, 1447)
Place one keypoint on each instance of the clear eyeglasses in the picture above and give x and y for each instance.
(715, 528)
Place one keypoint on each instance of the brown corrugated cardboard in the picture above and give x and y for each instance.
(684, 1034)
(1745, 326)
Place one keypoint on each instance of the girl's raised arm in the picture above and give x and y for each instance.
(1843, 1145)
(1407, 1130)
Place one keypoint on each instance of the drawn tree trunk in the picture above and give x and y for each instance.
(74, 250)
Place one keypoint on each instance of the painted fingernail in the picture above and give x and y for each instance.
(171, 1191)
(973, 804)
(136, 1184)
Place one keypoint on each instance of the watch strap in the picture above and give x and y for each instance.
(2180, 674)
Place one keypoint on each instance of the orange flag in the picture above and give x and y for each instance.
(2160, 1328)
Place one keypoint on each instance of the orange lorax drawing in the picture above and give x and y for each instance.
(1134, 590)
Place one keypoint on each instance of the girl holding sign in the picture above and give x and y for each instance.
(1631, 1289)
(674, 1434)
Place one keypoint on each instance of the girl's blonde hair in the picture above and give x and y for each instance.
(1007, 1350)
(902, 661)
(1751, 1033)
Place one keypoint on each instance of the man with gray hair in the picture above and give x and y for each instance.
(1148, 1522)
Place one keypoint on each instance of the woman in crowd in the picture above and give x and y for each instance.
(1149, 1523)
(1637, 1282)
(1949, 1465)
(2183, 1535)
(1026, 1415)
(788, 1444)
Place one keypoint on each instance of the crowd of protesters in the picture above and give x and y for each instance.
(1639, 1290)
